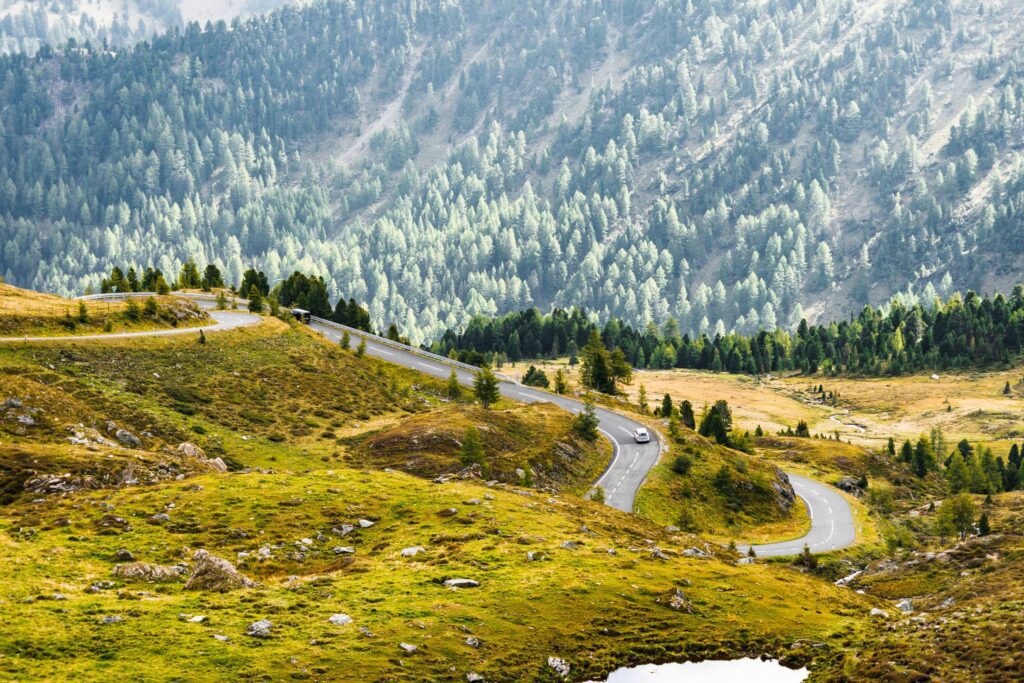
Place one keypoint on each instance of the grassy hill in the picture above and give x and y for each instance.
(262, 447)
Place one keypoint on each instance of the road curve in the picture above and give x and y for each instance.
(222, 320)
(832, 525)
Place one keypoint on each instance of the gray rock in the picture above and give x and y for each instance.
(536, 556)
(340, 619)
(343, 530)
(221, 638)
(560, 666)
(677, 600)
(343, 550)
(658, 554)
(875, 612)
(448, 512)
(413, 551)
(569, 545)
(12, 402)
(746, 560)
(409, 649)
(473, 641)
(160, 518)
(190, 450)
(905, 605)
(112, 619)
(197, 619)
(124, 555)
(151, 573)
(259, 629)
(365, 523)
(947, 603)
(215, 574)
(696, 552)
(461, 583)
(472, 677)
(127, 438)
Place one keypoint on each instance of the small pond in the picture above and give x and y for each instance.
(734, 671)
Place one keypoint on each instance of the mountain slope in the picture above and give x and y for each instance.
(731, 165)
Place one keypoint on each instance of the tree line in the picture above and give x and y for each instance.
(960, 332)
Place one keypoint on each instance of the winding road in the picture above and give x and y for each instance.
(832, 525)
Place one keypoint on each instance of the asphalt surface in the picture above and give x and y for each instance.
(222, 320)
(832, 525)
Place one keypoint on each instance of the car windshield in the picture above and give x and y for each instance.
(641, 431)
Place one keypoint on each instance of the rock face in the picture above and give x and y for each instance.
(61, 483)
(151, 573)
(215, 574)
(785, 496)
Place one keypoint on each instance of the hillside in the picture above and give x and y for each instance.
(727, 164)
(131, 467)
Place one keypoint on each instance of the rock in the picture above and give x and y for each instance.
(875, 612)
(340, 619)
(343, 530)
(785, 496)
(26, 420)
(569, 545)
(365, 523)
(127, 438)
(112, 619)
(343, 550)
(60, 483)
(191, 450)
(409, 649)
(160, 518)
(413, 551)
(520, 473)
(217, 464)
(677, 600)
(197, 619)
(473, 641)
(448, 512)
(461, 583)
(100, 586)
(221, 638)
(12, 402)
(472, 677)
(947, 603)
(905, 605)
(671, 529)
(536, 556)
(124, 555)
(259, 629)
(560, 666)
(745, 560)
(215, 574)
(935, 377)
(151, 573)
(696, 552)
(473, 501)
(658, 554)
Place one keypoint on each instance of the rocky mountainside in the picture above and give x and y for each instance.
(729, 165)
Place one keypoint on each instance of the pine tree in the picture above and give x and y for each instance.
(641, 399)
(686, 415)
(472, 451)
(453, 390)
(255, 297)
(485, 387)
(346, 340)
(561, 382)
(984, 529)
(361, 349)
(585, 423)
(666, 406)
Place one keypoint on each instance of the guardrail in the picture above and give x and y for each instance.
(405, 347)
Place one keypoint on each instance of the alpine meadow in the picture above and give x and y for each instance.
(512, 340)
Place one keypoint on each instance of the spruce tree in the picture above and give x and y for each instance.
(485, 387)
(666, 406)
(472, 451)
(453, 390)
(686, 415)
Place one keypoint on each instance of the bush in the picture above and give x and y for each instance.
(682, 464)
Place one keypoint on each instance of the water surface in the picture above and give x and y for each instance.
(733, 671)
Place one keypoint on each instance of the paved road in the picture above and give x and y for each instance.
(832, 524)
(222, 320)
(630, 462)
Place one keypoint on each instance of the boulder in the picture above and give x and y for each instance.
(124, 555)
(696, 552)
(340, 619)
(343, 550)
(875, 612)
(677, 600)
(259, 629)
(473, 641)
(215, 574)
(151, 573)
(472, 677)
(60, 483)
(413, 551)
(448, 512)
(190, 450)
(365, 523)
(905, 605)
(560, 666)
(851, 485)
(127, 439)
(461, 583)
(409, 649)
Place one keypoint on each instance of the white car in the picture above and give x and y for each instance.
(641, 435)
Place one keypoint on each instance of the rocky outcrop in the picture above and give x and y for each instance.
(783, 491)
(210, 573)
(61, 483)
(150, 573)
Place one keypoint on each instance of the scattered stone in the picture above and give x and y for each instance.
(217, 464)
(658, 554)
(343, 530)
(473, 501)
(696, 552)
(672, 529)
(413, 551)
(60, 483)
(259, 629)
(905, 605)
(264, 553)
(151, 573)
(947, 603)
(472, 677)
(488, 496)
(127, 438)
(448, 512)
(340, 619)
(875, 612)
(367, 633)
(215, 574)
(536, 556)
(473, 641)
(100, 586)
(677, 600)
(409, 649)
(221, 638)
(124, 555)
(160, 518)
(560, 666)
(197, 619)
(746, 560)
(569, 545)
(461, 583)
(191, 450)
(114, 522)
(112, 619)
(343, 550)
(365, 523)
